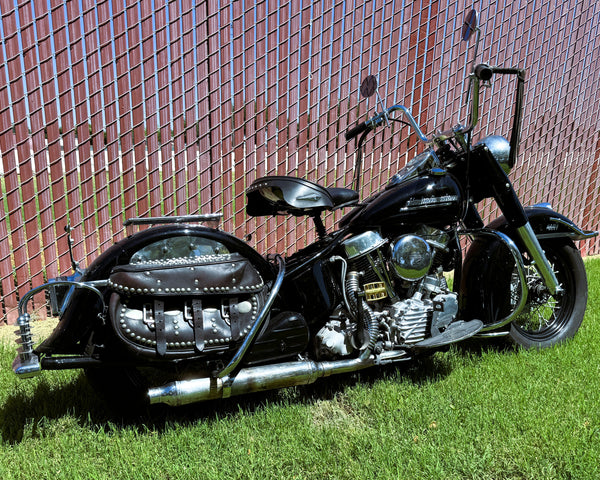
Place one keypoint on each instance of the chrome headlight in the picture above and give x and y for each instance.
(499, 147)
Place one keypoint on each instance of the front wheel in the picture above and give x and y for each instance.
(550, 319)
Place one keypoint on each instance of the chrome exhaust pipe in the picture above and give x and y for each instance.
(259, 379)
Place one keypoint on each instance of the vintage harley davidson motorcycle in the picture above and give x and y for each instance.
(180, 313)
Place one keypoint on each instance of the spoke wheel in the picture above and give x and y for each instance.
(550, 319)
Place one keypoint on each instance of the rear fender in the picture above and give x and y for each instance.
(85, 310)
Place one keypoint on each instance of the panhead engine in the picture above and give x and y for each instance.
(184, 307)
(396, 286)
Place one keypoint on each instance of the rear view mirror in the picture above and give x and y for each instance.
(368, 87)
(470, 25)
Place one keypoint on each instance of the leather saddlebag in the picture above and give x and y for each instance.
(184, 307)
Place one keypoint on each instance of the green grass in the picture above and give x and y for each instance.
(478, 411)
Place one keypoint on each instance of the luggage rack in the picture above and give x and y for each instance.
(209, 217)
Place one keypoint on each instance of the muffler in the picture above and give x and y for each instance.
(262, 378)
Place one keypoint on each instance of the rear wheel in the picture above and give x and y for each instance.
(550, 319)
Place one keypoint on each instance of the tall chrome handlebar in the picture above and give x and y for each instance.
(474, 88)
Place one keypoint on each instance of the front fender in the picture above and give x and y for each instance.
(546, 223)
(81, 314)
(488, 265)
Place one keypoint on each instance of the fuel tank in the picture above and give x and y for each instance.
(434, 199)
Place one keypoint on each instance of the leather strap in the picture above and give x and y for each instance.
(234, 317)
(159, 322)
(198, 315)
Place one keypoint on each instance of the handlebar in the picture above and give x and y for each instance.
(355, 131)
(382, 118)
(483, 72)
(480, 73)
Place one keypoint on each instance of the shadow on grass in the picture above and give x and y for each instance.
(24, 414)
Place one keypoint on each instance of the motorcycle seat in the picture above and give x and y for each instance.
(282, 195)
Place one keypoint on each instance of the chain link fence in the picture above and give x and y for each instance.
(118, 109)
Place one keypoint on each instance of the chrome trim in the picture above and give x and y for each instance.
(539, 257)
(86, 285)
(337, 258)
(503, 333)
(265, 377)
(362, 244)
(237, 358)
(516, 254)
(576, 233)
(27, 363)
(474, 118)
(499, 147)
(411, 120)
(27, 369)
(209, 217)
(411, 257)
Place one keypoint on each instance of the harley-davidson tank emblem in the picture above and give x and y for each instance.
(429, 202)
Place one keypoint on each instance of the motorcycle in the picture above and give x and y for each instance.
(181, 313)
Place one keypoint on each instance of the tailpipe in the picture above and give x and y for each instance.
(259, 379)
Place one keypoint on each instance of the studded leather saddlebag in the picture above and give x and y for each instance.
(184, 307)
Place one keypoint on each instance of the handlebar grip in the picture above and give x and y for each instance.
(355, 131)
(483, 72)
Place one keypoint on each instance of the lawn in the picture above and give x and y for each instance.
(479, 410)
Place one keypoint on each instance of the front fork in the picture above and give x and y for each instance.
(541, 263)
(506, 198)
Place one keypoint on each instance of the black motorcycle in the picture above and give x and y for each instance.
(180, 313)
